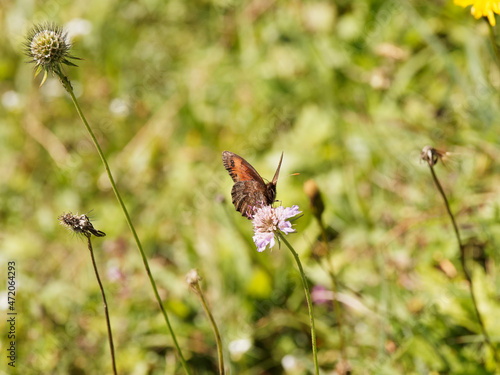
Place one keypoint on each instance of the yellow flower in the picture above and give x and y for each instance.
(482, 8)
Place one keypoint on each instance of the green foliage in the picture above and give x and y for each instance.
(349, 91)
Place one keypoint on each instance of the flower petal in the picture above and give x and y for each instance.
(491, 18)
(482, 8)
(267, 220)
(261, 240)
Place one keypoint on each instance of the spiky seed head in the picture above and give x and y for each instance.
(79, 224)
(48, 47)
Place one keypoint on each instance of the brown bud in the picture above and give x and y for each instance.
(315, 201)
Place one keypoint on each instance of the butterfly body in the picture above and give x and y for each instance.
(249, 189)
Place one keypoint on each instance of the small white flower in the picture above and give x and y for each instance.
(239, 346)
(192, 277)
(267, 220)
(289, 363)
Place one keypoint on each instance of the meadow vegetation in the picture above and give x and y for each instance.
(350, 92)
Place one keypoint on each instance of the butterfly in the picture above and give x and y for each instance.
(249, 189)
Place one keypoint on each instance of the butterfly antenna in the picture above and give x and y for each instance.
(275, 179)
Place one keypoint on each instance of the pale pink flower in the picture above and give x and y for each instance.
(267, 220)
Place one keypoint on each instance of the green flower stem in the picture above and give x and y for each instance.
(308, 298)
(336, 304)
(494, 43)
(67, 85)
(106, 312)
(218, 340)
(463, 259)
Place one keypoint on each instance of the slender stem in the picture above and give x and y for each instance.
(218, 340)
(336, 304)
(494, 43)
(106, 312)
(65, 82)
(463, 259)
(308, 298)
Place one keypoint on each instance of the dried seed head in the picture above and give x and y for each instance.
(193, 278)
(79, 224)
(48, 47)
(430, 155)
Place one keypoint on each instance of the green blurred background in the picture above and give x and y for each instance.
(349, 91)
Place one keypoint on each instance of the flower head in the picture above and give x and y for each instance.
(430, 155)
(48, 47)
(267, 220)
(482, 8)
(193, 278)
(80, 224)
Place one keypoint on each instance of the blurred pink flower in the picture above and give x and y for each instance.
(267, 220)
(320, 295)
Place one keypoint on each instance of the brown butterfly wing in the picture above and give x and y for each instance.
(249, 189)
(239, 168)
(248, 194)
